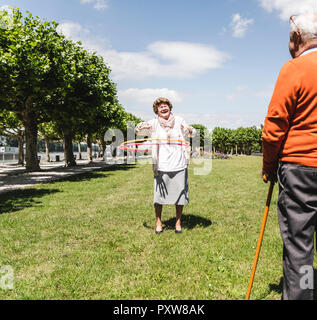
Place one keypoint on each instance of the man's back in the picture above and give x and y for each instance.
(290, 130)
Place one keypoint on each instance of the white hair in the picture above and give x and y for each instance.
(306, 25)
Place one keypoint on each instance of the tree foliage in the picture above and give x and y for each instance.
(241, 140)
(53, 85)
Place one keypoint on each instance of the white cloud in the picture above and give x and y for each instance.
(76, 32)
(5, 7)
(286, 8)
(139, 102)
(211, 120)
(146, 97)
(73, 30)
(239, 25)
(243, 91)
(160, 59)
(165, 59)
(98, 4)
(225, 120)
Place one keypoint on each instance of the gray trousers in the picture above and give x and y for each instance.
(297, 212)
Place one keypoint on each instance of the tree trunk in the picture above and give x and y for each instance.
(79, 151)
(89, 147)
(30, 125)
(21, 151)
(68, 149)
(47, 149)
(104, 149)
(99, 150)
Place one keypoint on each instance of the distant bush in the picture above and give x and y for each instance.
(237, 141)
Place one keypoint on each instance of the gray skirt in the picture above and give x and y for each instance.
(171, 188)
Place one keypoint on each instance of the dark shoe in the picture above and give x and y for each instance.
(178, 231)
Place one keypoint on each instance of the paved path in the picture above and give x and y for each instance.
(13, 177)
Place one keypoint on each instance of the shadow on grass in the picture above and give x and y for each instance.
(279, 287)
(20, 199)
(15, 200)
(189, 221)
(120, 167)
(86, 176)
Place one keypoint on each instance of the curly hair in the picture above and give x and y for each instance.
(159, 101)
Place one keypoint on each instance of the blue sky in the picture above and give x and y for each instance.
(217, 60)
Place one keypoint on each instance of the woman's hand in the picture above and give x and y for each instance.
(143, 126)
(146, 127)
(187, 130)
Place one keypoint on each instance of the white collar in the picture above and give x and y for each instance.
(308, 51)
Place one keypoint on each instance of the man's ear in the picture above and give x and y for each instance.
(297, 39)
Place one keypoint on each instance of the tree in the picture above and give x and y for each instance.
(107, 110)
(45, 78)
(244, 140)
(30, 55)
(221, 139)
(47, 131)
(86, 101)
(205, 141)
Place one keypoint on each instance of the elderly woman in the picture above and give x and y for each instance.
(170, 160)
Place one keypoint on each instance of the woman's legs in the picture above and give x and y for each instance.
(179, 212)
(158, 214)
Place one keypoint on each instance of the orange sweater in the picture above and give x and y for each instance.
(290, 128)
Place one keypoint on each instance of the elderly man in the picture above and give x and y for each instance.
(290, 156)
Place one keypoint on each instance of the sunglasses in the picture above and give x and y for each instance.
(291, 19)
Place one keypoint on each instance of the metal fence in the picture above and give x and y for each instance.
(9, 157)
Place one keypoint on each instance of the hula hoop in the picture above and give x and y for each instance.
(126, 146)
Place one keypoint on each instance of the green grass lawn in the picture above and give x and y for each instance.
(92, 237)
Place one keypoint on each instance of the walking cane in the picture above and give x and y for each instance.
(255, 262)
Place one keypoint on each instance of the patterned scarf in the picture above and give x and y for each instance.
(168, 124)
